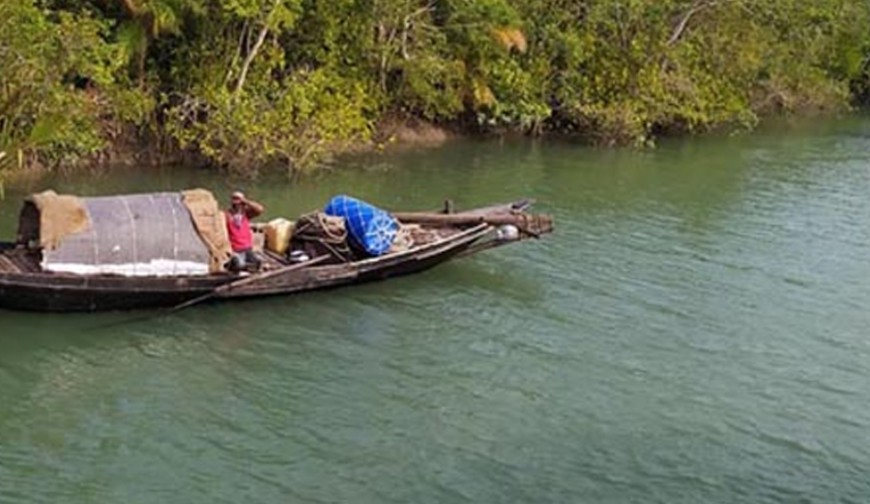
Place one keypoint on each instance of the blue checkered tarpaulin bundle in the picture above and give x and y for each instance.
(370, 227)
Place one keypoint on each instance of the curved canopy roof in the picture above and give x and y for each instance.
(139, 234)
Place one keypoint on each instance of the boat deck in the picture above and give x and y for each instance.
(271, 260)
(19, 261)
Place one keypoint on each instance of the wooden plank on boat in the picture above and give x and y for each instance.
(6, 264)
(249, 280)
(505, 208)
(26, 263)
(447, 219)
(536, 223)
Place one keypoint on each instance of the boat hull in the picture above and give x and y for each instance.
(50, 292)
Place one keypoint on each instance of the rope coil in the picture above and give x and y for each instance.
(327, 231)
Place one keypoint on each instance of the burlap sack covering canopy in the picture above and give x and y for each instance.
(211, 224)
(60, 215)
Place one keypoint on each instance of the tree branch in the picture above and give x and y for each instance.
(237, 54)
(131, 8)
(696, 7)
(249, 58)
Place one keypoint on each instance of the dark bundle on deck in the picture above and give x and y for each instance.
(316, 234)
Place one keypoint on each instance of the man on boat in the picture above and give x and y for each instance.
(239, 216)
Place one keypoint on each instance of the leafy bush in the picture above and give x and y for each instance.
(249, 82)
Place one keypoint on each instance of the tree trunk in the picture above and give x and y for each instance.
(249, 58)
(140, 64)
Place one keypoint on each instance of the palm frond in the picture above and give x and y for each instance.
(510, 38)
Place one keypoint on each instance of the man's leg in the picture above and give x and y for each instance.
(237, 262)
(252, 260)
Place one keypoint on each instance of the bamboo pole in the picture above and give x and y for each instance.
(249, 280)
(520, 220)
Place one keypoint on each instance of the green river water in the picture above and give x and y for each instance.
(695, 331)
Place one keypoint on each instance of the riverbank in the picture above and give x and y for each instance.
(393, 137)
(290, 84)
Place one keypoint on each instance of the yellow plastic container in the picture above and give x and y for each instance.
(278, 233)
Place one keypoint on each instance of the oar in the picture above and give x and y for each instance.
(248, 280)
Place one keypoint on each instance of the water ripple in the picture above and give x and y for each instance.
(695, 331)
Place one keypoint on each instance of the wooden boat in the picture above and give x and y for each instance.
(26, 285)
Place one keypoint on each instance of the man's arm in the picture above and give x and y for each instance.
(253, 209)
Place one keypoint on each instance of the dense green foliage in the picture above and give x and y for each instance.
(247, 82)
